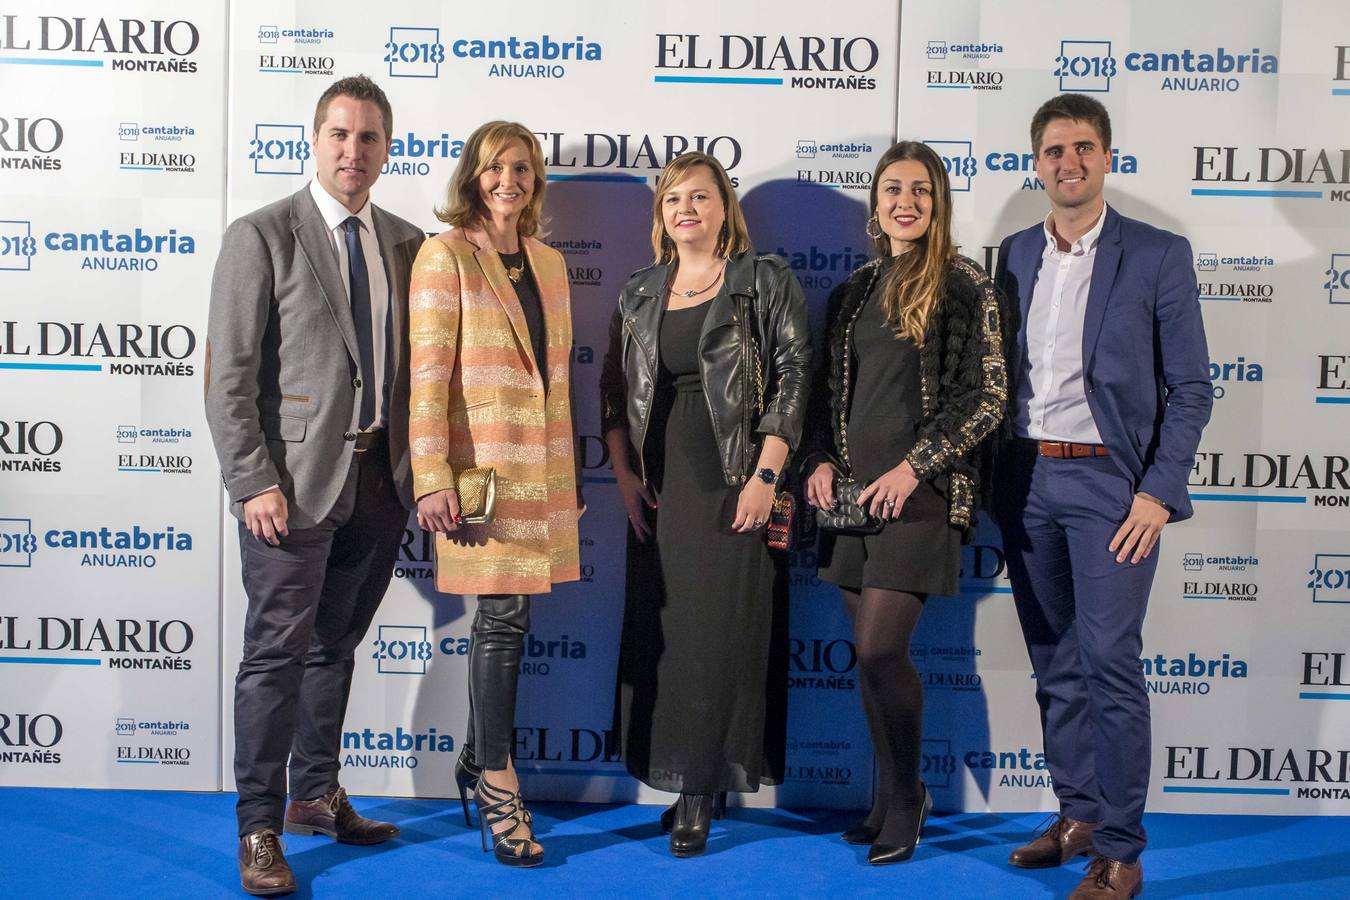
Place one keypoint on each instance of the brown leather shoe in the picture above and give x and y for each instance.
(1056, 845)
(332, 814)
(1110, 879)
(263, 870)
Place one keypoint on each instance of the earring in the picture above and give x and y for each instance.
(873, 229)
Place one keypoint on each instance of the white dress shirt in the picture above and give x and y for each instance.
(1051, 398)
(334, 214)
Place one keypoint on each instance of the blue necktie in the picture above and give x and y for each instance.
(359, 280)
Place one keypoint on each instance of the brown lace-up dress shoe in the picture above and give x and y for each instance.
(1056, 845)
(1110, 879)
(263, 870)
(332, 814)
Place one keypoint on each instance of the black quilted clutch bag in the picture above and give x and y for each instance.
(846, 516)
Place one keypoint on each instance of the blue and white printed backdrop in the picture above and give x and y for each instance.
(130, 135)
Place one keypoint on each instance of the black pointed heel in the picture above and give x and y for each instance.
(719, 811)
(467, 773)
(497, 806)
(883, 854)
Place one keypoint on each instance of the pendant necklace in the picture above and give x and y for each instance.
(515, 265)
(688, 294)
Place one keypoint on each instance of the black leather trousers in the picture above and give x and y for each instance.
(497, 638)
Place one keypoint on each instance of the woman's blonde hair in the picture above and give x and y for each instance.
(463, 206)
(734, 238)
(913, 286)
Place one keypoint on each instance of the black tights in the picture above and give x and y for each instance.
(892, 694)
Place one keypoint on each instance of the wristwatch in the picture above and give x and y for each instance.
(767, 475)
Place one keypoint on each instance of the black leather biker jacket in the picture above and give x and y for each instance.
(762, 308)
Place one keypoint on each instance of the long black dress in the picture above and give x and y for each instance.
(921, 551)
(702, 668)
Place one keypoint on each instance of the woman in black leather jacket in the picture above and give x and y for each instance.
(914, 382)
(703, 392)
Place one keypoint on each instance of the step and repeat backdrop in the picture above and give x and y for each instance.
(131, 134)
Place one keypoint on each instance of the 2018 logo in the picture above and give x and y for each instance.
(1085, 66)
(17, 543)
(279, 149)
(17, 245)
(958, 158)
(1337, 284)
(1329, 578)
(413, 52)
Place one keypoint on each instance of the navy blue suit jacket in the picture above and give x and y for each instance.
(1145, 362)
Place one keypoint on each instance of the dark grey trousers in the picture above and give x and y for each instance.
(310, 602)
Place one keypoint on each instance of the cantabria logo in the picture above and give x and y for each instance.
(1089, 66)
(1021, 768)
(30, 142)
(418, 52)
(107, 547)
(811, 62)
(1189, 674)
(369, 748)
(963, 162)
(408, 155)
(125, 45)
(102, 250)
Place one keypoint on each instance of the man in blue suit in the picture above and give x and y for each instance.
(1111, 390)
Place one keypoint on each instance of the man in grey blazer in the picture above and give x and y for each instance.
(307, 401)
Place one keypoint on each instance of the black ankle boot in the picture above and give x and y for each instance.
(668, 814)
(693, 819)
(900, 835)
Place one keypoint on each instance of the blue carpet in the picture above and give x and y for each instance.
(68, 843)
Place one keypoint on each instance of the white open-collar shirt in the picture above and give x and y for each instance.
(1051, 396)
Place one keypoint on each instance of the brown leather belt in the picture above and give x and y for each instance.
(1070, 450)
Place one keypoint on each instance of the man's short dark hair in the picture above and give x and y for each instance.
(358, 87)
(1078, 107)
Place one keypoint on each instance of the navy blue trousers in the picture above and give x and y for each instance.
(1082, 614)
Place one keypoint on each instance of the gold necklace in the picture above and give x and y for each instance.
(514, 272)
(688, 294)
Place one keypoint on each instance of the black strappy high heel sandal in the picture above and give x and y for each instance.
(467, 773)
(497, 806)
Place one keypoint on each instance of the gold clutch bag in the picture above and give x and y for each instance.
(477, 490)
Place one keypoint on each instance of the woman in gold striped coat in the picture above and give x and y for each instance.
(491, 342)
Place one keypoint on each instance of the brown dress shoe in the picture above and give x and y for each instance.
(1056, 845)
(1110, 879)
(332, 814)
(263, 871)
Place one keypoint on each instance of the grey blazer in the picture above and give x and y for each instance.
(281, 358)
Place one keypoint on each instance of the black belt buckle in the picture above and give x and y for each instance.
(368, 440)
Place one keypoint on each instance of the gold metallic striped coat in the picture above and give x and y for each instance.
(478, 399)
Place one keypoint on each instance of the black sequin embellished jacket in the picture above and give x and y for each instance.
(963, 382)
